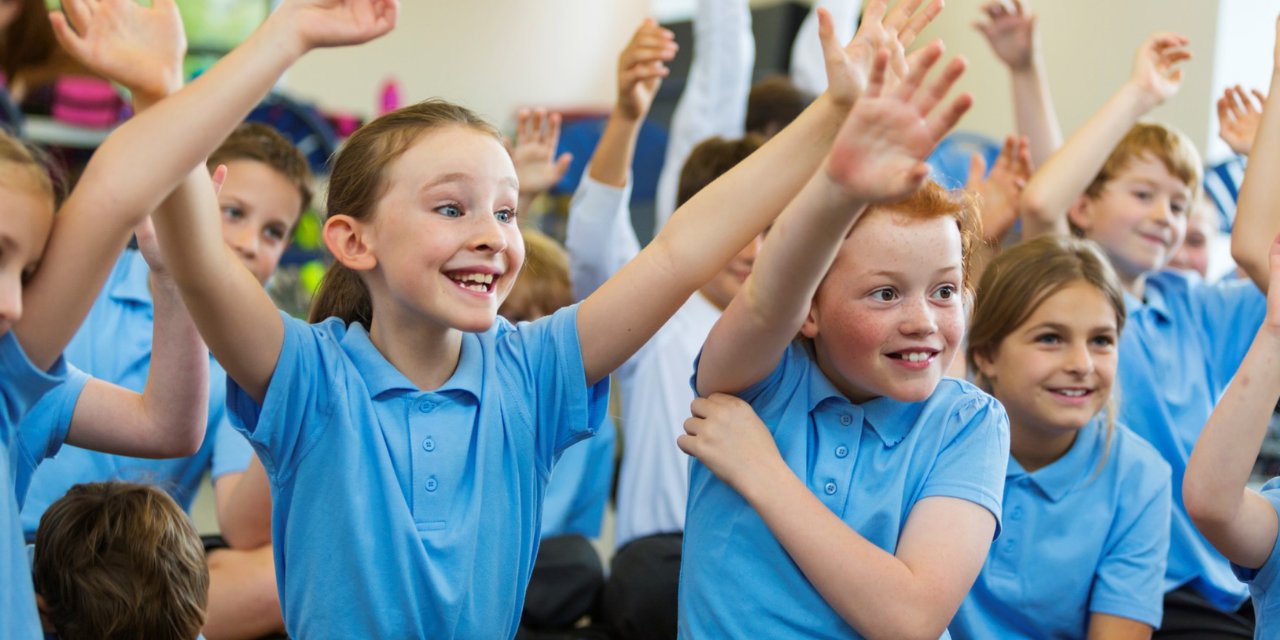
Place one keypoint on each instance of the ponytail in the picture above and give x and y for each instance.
(342, 294)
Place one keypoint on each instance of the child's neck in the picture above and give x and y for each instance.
(1135, 285)
(427, 354)
(1035, 449)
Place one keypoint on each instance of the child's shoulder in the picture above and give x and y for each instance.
(1137, 462)
(962, 393)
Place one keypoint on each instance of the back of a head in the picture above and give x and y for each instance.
(773, 103)
(1021, 278)
(120, 560)
(358, 181)
(1169, 146)
(28, 167)
(710, 159)
(263, 143)
(542, 287)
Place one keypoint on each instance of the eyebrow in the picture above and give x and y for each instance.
(895, 274)
(1064, 329)
(458, 176)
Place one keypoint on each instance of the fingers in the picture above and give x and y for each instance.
(1261, 98)
(874, 12)
(875, 81)
(918, 22)
(944, 121)
(1023, 160)
(977, 170)
(922, 61)
(900, 16)
(929, 98)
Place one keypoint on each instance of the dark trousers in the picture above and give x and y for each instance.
(640, 597)
(565, 585)
(1188, 616)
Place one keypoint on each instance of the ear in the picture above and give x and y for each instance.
(46, 615)
(1081, 213)
(810, 327)
(347, 241)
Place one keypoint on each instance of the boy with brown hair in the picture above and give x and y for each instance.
(119, 560)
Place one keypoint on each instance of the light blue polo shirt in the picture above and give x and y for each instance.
(1078, 539)
(869, 463)
(114, 344)
(1262, 581)
(21, 386)
(43, 430)
(580, 485)
(1178, 351)
(401, 513)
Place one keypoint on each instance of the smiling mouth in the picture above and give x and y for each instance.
(914, 358)
(1072, 394)
(473, 281)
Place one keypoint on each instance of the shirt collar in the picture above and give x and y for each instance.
(888, 418)
(131, 286)
(1152, 299)
(380, 376)
(1066, 473)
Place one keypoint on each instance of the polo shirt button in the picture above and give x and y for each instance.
(432, 484)
(1009, 546)
(426, 406)
(842, 451)
(429, 444)
(830, 488)
(1017, 513)
(846, 419)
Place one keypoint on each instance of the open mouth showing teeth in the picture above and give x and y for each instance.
(1072, 393)
(478, 282)
(913, 356)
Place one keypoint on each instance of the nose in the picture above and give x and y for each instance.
(1162, 212)
(918, 317)
(487, 235)
(1079, 361)
(243, 238)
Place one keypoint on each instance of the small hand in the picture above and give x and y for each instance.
(641, 68)
(1238, 118)
(998, 193)
(848, 66)
(880, 151)
(726, 435)
(1011, 31)
(1155, 66)
(333, 23)
(140, 47)
(537, 167)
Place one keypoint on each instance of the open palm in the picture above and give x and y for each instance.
(1155, 67)
(332, 23)
(139, 47)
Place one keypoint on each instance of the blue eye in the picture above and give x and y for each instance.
(1104, 341)
(234, 213)
(1048, 338)
(449, 211)
(505, 215)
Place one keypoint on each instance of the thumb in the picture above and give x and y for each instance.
(977, 171)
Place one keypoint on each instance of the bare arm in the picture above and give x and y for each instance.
(641, 68)
(1239, 522)
(878, 156)
(1108, 627)
(1069, 171)
(912, 593)
(720, 220)
(1011, 31)
(1256, 220)
(244, 506)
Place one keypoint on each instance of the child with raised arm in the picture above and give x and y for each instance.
(1086, 501)
(862, 500)
(1129, 187)
(1011, 31)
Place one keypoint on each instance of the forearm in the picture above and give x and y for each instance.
(1033, 110)
(177, 388)
(870, 589)
(244, 517)
(611, 162)
(1257, 221)
(1067, 173)
(747, 341)
(1108, 627)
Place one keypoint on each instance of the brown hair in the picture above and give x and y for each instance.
(542, 287)
(120, 560)
(38, 170)
(710, 159)
(29, 40)
(1165, 144)
(262, 143)
(358, 181)
(1019, 280)
(773, 103)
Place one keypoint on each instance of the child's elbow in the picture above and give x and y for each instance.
(1204, 508)
(185, 442)
(1032, 205)
(909, 623)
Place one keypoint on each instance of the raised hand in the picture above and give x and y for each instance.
(880, 151)
(848, 66)
(998, 193)
(1238, 118)
(537, 167)
(139, 47)
(1010, 29)
(641, 68)
(1155, 66)
(332, 23)
(726, 435)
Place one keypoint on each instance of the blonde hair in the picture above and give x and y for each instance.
(37, 169)
(1173, 149)
(358, 181)
(543, 284)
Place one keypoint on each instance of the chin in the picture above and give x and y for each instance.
(914, 391)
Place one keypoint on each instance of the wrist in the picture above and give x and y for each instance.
(1138, 99)
(278, 29)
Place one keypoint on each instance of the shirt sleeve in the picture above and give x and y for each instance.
(44, 429)
(599, 237)
(808, 67)
(546, 358)
(972, 463)
(300, 396)
(1130, 577)
(714, 100)
(21, 383)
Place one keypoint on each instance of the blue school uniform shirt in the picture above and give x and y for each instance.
(869, 463)
(1180, 348)
(21, 386)
(1078, 539)
(579, 486)
(43, 430)
(114, 344)
(1262, 581)
(401, 513)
